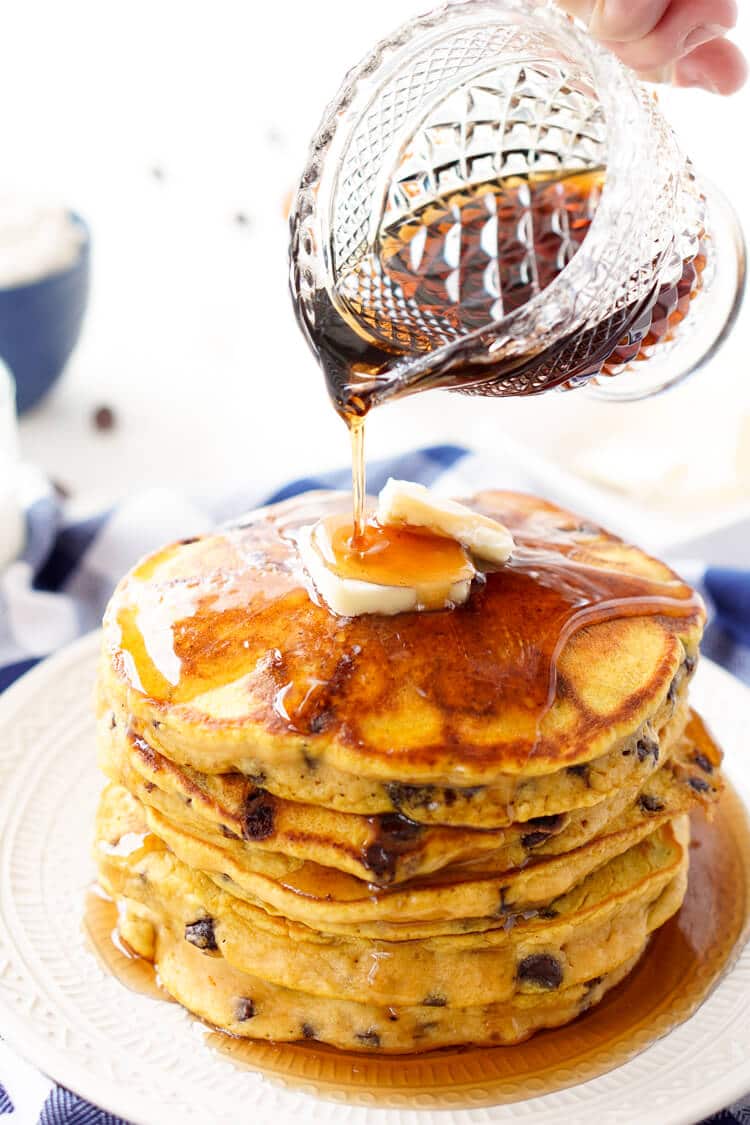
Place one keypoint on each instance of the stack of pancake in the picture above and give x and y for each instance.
(395, 833)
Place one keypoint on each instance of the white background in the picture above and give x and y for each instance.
(190, 335)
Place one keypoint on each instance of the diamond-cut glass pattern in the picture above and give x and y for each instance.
(427, 70)
(451, 247)
(426, 231)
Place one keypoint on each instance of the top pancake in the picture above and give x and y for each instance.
(217, 646)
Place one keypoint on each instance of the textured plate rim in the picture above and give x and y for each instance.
(21, 1035)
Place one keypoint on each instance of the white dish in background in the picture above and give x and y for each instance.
(147, 1061)
(718, 536)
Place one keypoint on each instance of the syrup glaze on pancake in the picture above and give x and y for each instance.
(298, 774)
(572, 642)
(223, 822)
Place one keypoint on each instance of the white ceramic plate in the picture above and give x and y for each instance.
(148, 1062)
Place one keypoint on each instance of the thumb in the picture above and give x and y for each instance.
(621, 21)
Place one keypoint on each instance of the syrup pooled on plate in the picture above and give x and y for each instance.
(235, 606)
(101, 933)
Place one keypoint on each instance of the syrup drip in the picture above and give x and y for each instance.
(102, 936)
(359, 476)
(236, 607)
(685, 961)
(135, 845)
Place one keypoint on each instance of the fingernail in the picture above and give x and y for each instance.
(704, 33)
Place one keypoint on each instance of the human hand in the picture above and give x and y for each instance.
(678, 41)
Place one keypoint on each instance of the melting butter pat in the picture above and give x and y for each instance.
(394, 571)
(404, 503)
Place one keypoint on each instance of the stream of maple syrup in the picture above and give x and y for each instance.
(359, 474)
(684, 962)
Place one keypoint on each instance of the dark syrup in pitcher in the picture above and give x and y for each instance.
(459, 263)
(454, 266)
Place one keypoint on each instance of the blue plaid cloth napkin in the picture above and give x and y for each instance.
(59, 587)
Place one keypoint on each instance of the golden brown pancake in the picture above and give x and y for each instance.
(281, 836)
(460, 899)
(216, 654)
(246, 1006)
(398, 833)
(249, 1007)
(455, 899)
(597, 925)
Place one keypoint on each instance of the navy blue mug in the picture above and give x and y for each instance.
(40, 323)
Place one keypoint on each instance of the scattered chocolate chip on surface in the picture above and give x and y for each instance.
(581, 771)
(376, 859)
(699, 784)
(541, 969)
(244, 1009)
(418, 796)
(201, 933)
(369, 1038)
(104, 418)
(61, 490)
(543, 827)
(647, 748)
(260, 816)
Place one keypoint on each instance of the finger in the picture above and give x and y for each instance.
(719, 66)
(685, 26)
(618, 20)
